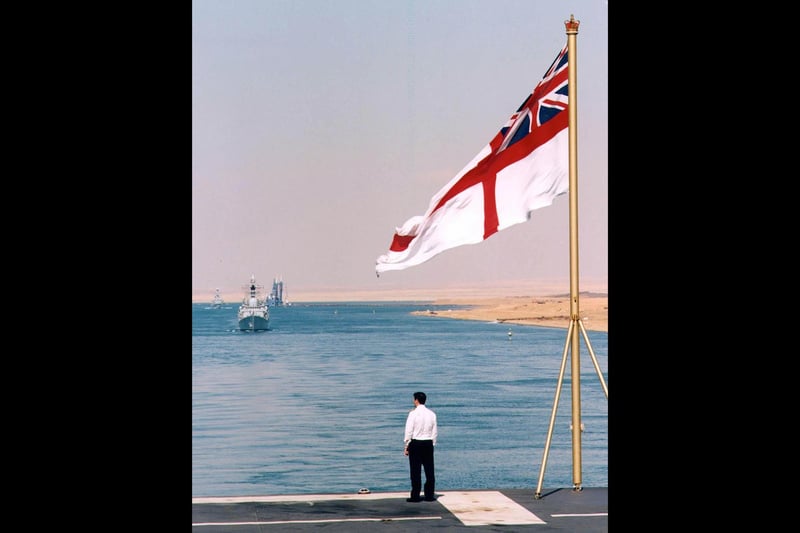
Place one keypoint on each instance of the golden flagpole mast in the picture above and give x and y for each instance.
(573, 336)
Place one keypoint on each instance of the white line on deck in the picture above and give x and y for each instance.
(299, 498)
(392, 519)
(579, 514)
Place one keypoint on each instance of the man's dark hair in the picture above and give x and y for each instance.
(420, 397)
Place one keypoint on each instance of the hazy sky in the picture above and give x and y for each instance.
(318, 126)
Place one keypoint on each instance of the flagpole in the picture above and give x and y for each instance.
(572, 37)
(576, 328)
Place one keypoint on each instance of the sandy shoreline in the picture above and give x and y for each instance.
(548, 311)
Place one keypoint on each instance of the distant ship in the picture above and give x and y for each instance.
(278, 296)
(253, 312)
(217, 302)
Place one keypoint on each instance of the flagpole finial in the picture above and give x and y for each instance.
(572, 25)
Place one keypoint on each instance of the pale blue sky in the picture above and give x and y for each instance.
(318, 126)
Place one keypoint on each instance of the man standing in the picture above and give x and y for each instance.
(420, 438)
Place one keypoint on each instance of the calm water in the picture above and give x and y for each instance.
(318, 404)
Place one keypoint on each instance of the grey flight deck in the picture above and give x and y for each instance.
(454, 510)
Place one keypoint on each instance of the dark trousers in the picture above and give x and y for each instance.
(420, 455)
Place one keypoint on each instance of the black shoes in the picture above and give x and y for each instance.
(418, 499)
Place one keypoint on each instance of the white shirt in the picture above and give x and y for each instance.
(421, 425)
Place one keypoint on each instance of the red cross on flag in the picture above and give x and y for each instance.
(523, 168)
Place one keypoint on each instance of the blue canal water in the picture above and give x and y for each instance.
(318, 403)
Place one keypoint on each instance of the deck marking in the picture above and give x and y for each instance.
(486, 508)
(578, 514)
(299, 498)
(330, 520)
